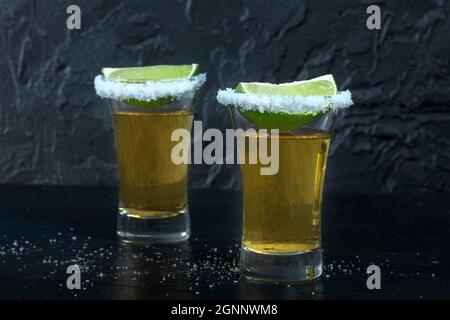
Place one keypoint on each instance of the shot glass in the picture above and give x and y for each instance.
(153, 198)
(281, 240)
(153, 202)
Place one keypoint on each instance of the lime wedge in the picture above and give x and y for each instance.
(151, 73)
(321, 86)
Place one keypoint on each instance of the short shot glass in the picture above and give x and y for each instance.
(153, 202)
(153, 197)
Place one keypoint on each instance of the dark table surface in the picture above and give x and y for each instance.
(43, 230)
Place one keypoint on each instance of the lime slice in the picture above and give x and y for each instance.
(321, 86)
(151, 73)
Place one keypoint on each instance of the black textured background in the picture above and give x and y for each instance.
(54, 130)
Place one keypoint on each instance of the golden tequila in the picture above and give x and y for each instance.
(282, 211)
(151, 185)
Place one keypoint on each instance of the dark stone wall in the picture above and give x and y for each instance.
(54, 130)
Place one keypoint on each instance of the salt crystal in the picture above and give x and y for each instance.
(289, 104)
(148, 91)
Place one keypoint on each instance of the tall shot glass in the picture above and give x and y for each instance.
(281, 240)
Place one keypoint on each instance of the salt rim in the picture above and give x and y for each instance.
(288, 104)
(148, 91)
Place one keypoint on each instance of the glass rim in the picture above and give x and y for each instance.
(148, 91)
(288, 104)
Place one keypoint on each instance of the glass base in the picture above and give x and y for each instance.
(281, 267)
(169, 229)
